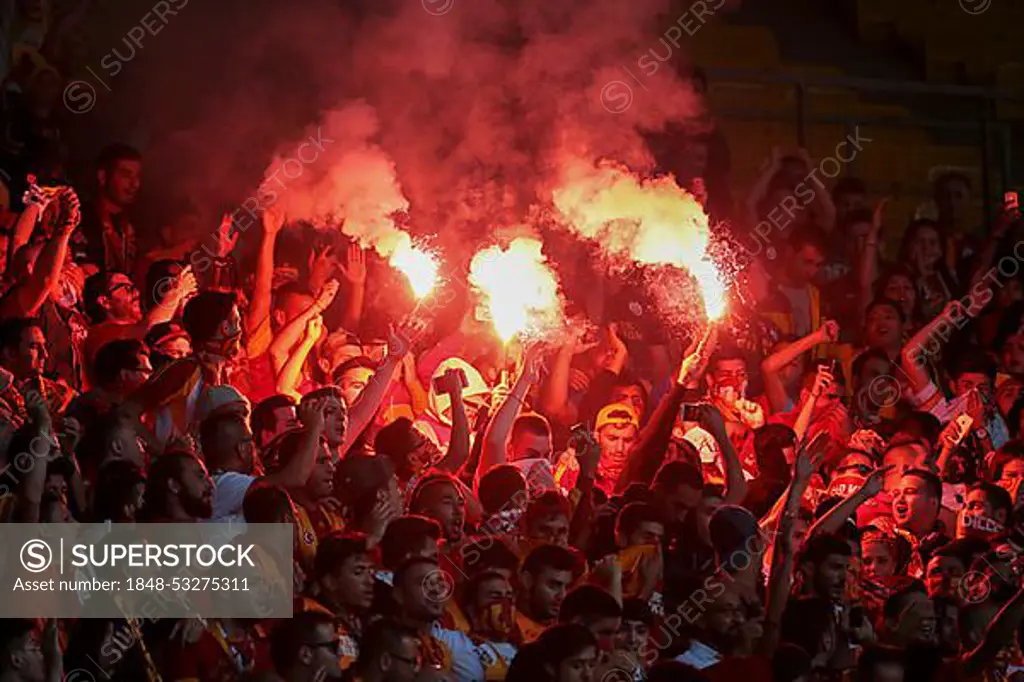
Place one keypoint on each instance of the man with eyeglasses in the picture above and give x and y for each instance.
(113, 304)
(388, 652)
(121, 367)
(305, 648)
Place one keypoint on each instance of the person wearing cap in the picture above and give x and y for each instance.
(228, 449)
(167, 341)
(617, 427)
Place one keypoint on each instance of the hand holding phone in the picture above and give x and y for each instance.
(964, 422)
(689, 412)
(1011, 202)
(452, 381)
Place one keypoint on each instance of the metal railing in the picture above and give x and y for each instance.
(986, 125)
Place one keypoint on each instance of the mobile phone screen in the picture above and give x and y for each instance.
(1011, 201)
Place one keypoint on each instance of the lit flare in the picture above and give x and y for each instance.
(519, 288)
(651, 221)
(418, 265)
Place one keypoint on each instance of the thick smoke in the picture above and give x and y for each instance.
(476, 108)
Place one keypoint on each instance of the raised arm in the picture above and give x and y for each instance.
(774, 363)
(182, 288)
(735, 482)
(822, 382)
(365, 407)
(913, 358)
(782, 550)
(27, 296)
(868, 265)
(981, 267)
(833, 520)
(30, 495)
(259, 305)
(296, 472)
(999, 634)
(816, 449)
(23, 228)
(353, 270)
(419, 398)
(290, 376)
(281, 347)
(652, 443)
(498, 431)
(554, 396)
(458, 445)
(588, 452)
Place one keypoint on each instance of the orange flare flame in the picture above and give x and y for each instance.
(519, 288)
(419, 267)
(649, 221)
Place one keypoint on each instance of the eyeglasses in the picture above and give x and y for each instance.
(416, 663)
(127, 286)
(859, 468)
(331, 644)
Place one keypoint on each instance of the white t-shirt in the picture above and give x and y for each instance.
(470, 660)
(229, 489)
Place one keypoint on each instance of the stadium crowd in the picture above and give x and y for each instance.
(823, 484)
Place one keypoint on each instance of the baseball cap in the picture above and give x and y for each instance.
(616, 414)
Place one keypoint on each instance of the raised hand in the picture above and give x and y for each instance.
(579, 342)
(876, 221)
(186, 283)
(322, 265)
(829, 331)
(50, 646)
(36, 407)
(697, 360)
(615, 342)
(353, 268)
(533, 363)
(608, 571)
(71, 210)
(873, 483)
(809, 456)
(314, 328)
(71, 434)
(711, 419)
(311, 414)
(226, 236)
(273, 219)
(400, 339)
(822, 382)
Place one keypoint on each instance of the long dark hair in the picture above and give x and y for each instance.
(906, 245)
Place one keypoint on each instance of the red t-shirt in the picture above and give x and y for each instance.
(749, 669)
(103, 333)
